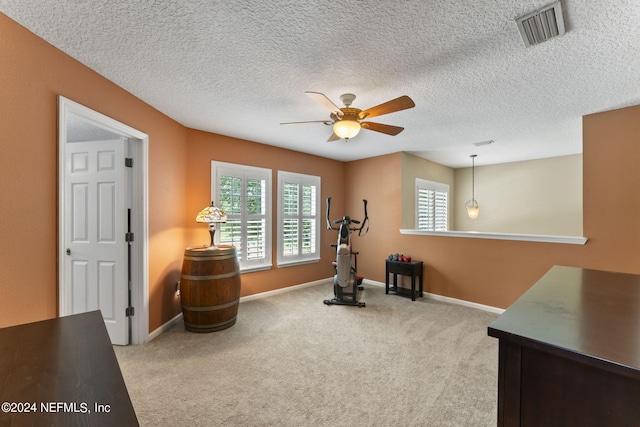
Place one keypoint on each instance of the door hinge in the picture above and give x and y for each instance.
(128, 237)
(129, 312)
(128, 162)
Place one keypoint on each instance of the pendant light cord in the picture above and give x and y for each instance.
(473, 176)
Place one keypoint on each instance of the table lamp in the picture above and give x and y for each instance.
(211, 215)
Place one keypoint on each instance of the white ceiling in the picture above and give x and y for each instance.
(239, 68)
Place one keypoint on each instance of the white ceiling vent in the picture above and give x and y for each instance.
(541, 25)
(481, 143)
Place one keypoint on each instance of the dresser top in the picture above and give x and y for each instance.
(591, 313)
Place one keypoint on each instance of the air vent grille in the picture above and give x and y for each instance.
(541, 25)
(481, 143)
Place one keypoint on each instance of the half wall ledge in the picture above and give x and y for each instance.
(567, 240)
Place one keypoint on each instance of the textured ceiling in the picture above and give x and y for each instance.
(239, 68)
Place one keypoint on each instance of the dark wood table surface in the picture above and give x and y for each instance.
(62, 372)
(570, 351)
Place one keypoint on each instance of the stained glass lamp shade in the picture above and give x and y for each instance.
(211, 215)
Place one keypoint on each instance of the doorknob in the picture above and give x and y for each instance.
(68, 251)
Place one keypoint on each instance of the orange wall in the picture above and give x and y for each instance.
(497, 272)
(204, 147)
(32, 75)
(611, 189)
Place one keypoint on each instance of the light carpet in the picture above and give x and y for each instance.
(291, 360)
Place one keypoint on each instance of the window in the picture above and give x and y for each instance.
(244, 194)
(299, 219)
(432, 206)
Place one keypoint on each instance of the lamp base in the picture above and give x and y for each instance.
(212, 232)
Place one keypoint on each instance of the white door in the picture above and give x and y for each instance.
(95, 233)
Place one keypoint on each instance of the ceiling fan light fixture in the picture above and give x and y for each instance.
(346, 121)
(346, 129)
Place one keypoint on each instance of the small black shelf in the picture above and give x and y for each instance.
(412, 269)
(403, 292)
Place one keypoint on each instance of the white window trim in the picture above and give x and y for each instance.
(434, 186)
(232, 169)
(301, 179)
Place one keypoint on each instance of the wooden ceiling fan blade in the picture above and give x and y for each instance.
(398, 104)
(326, 122)
(322, 99)
(333, 137)
(379, 127)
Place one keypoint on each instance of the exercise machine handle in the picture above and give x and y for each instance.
(364, 221)
(329, 227)
(346, 219)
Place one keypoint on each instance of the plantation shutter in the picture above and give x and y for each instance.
(290, 218)
(298, 229)
(242, 192)
(432, 205)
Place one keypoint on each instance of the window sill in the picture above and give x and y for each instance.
(253, 268)
(568, 240)
(297, 262)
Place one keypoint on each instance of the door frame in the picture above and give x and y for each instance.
(139, 223)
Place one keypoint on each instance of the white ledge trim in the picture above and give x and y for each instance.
(569, 240)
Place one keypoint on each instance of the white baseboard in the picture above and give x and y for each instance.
(281, 290)
(178, 317)
(156, 332)
(450, 300)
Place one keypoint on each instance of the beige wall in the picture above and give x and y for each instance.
(541, 196)
(417, 167)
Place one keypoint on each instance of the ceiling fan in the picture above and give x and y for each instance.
(347, 121)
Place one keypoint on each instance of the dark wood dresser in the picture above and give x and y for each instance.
(570, 351)
(62, 372)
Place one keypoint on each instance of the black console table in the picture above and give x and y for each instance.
(412, 269)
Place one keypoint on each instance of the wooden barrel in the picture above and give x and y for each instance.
(210, 288)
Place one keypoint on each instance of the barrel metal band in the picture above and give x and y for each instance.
(211, 307)
(212, 326)
(213, 277)
(208, 258)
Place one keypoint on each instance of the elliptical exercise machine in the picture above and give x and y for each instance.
(346, 283)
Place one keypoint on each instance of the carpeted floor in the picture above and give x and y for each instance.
(290, 360)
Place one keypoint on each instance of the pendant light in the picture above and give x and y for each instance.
(472, 205)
